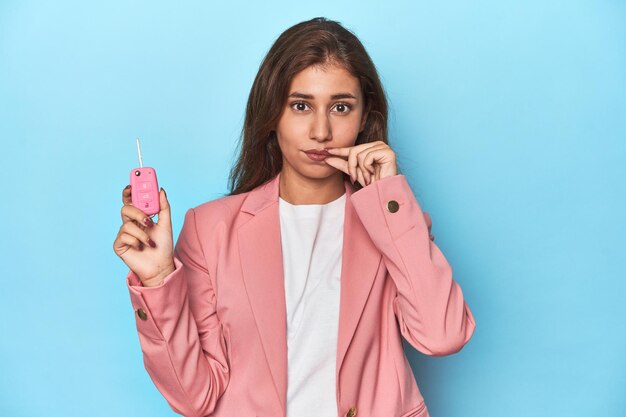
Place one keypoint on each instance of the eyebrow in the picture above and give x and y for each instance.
(333, 97)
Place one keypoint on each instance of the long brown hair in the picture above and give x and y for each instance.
(318, 41)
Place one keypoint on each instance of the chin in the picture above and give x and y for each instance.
(314, 171)
(320, 173)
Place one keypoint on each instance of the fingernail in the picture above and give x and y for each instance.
(127, 187)
(148, 222)
(164, 191)
(151, 243)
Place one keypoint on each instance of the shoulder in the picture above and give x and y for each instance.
(223, 210)
(234, 210)
(207, 228)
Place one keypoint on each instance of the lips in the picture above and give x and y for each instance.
(323, 152)
(317, 155)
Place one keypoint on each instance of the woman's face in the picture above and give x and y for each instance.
(324, 109)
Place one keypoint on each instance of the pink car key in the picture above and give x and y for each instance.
(144, 187)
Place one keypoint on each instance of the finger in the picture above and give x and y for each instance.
(351, 152)
(377, 175)
(366, 171)
(126, 195)
(135, 231)
(352, 166)
(132, 213)
(338, 163)
(124, 241)
(366, 175)
(345, 151)
(373, 156)
(366, 160)
(360, 177)
(164, 212)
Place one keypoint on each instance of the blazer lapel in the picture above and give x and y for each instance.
(262, 267)
(359, 264)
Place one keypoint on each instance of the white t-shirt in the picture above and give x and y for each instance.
(312, 241)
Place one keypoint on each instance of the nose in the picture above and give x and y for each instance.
(321, 128)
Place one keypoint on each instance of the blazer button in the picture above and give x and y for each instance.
(142, 314)
(393, 206)
(351, 412)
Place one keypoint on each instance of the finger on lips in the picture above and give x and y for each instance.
(359, 166)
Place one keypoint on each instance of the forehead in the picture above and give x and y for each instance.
(325, 81)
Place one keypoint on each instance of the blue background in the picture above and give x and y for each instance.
(508, 118)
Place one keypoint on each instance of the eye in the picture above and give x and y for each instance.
(299, 106)
(344, 108)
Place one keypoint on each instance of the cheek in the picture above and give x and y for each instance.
(289, 132)
(346, 133)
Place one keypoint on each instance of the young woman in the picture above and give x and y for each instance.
(290, 296)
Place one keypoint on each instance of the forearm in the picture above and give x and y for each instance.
(190, 372)
(430, 307)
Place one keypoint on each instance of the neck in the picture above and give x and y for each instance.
(296, 189)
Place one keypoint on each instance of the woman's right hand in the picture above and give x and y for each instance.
(146, 247)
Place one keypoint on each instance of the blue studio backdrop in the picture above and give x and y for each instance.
(508, 119)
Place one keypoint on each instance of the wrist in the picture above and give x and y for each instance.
(158, 279)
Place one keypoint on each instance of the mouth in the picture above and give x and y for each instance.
(317, 155)
(316, 152)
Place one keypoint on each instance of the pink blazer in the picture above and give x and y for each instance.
(213, 335)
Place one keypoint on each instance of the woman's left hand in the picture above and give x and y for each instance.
(366, 163)
(369, 162)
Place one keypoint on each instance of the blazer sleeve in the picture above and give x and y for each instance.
(182, 340)
(429, 306)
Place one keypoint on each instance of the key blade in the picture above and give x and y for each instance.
(139, 153)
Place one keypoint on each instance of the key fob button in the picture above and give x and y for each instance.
(144, 186)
